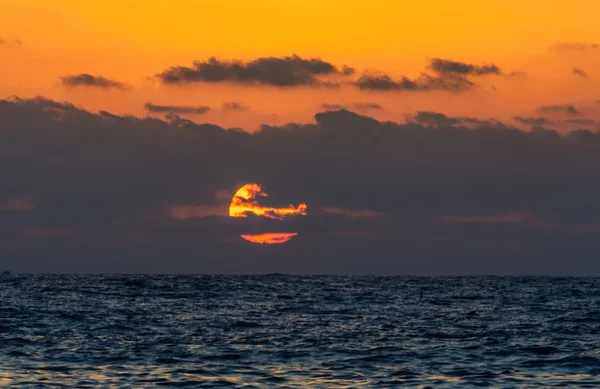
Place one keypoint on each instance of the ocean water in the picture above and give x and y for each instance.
(280, 331)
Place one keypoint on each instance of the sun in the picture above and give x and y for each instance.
(246, 201)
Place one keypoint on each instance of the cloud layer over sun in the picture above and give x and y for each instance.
(436, 194)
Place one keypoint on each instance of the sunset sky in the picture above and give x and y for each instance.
(544, 49)
(422, 129)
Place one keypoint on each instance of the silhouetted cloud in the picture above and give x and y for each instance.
(89, 80)
(440, 65)
(282, 72)
(534, 121)
(235, 106)
(579, 72)
(436, 119)
(575, 46)
(559, 108)
(367, 106)
(357, 106)
(435, 195)
(517, 73)
(385, 83)
(583, 122)
(542, 121)
(451, 77)
(294, 71)
(332, 107)
(447, 82)
(177, 109)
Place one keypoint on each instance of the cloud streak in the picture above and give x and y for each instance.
(449, 76)
(368, 106)
(177, 109)
(441, 66)
(295, 71)
(534, 121)
(450, 83)
(575, 46)
(235, 106)
(559, 108)
(274, 71)
(88, 80)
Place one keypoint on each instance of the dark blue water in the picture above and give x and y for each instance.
(298, 332)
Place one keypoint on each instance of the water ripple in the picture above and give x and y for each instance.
(298, 332)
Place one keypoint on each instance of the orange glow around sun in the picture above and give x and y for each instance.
(245, 201)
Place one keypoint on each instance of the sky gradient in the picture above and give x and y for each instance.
(430, 137)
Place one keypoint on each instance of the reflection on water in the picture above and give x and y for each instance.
(298, 332)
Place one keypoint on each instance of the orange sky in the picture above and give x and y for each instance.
(131, 41)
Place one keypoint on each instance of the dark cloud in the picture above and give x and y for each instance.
(357, 106)
(517, 73)
(88, 192)
(332, 107)
(235, 106)
(579, 72)
(534, 121)
(274, 71)
(296, 71)
(583, 122)
(441, 66)
(89, 80)
(385, 83)
(542, 121)
(348, 71)
(575, 46)
(176, 109)
(559, 108)
(367, 106)
(436, 119)
(447, 82)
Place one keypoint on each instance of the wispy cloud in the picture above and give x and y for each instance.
(559, 108)
(180, 109)
(534, 121)
(88, 80)
(450, 82)
(575, 46)
(440, 65)
(449, 76)
(366, 106)
(235, 106)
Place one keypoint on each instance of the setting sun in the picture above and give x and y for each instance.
(246, 201)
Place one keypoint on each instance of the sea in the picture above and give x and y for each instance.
(279, 331)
